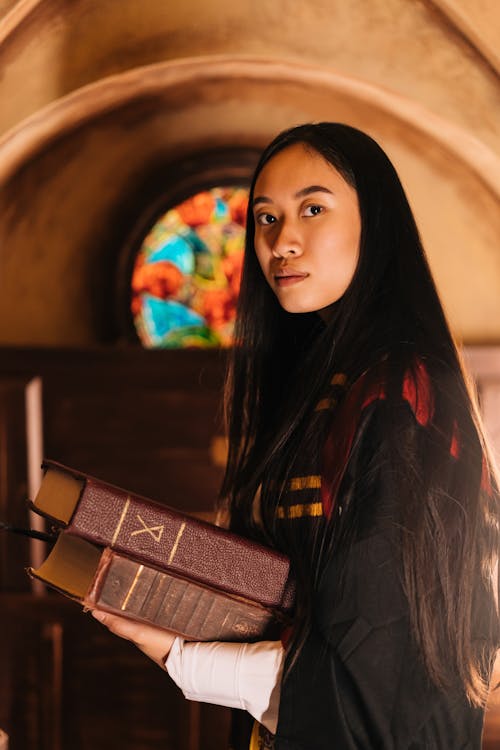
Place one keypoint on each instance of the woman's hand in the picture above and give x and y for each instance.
(152, 641)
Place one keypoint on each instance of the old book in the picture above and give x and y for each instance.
(157, 535)
(115, 583)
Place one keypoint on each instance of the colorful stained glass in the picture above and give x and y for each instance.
(186, 276)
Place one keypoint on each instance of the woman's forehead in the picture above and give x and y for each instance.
(296, 167)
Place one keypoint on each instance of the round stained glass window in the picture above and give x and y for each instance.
(186, 275)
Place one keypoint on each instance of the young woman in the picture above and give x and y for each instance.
(355, 448)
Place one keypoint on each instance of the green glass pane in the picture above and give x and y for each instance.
(186, 276)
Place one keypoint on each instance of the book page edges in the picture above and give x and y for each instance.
(70, 567)
(58, 495)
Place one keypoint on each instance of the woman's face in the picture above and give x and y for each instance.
(307, 229)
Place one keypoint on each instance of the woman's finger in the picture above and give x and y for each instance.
(121, 626)
(152, 641)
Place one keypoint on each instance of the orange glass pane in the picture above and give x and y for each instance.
(186, 276)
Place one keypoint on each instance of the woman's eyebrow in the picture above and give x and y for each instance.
(312, 189)
(261, 199)
(299, 194)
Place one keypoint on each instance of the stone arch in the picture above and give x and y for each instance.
(93, 149)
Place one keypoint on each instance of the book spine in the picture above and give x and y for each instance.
(140, 592)
(159, 536)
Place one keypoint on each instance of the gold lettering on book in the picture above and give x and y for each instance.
(120, 522)
(132, 587)
(154, 531)
(176, 543)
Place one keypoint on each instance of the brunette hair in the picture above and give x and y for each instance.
(390, 313)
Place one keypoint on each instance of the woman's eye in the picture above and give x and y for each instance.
(312, 210)
(265, 219)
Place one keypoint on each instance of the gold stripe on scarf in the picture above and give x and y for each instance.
(326, 403)
(261, 739)
(300, 510)
(312, 482)
(254, 739)
(339, 379)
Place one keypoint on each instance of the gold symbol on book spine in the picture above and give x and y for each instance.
(154, 531)
(121, 520)
(246, 629)
(132, 587)
(176, 543)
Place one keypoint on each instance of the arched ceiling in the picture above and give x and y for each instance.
(98, 99)
(417, 49)
(478, 21)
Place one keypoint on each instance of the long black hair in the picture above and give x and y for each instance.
(390, 313)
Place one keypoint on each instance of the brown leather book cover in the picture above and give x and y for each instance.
(127, 587)
(113, 582)
(157, 535)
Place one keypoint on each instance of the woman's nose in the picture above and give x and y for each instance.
(286, 242)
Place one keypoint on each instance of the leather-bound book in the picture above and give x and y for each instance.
(156, 535)
(103, 578)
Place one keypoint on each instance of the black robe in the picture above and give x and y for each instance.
(359, 682)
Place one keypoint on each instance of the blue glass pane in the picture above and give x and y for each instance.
(187, 272)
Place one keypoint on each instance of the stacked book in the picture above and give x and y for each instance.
(131, 556)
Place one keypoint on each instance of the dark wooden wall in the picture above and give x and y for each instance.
(143, 420)
(146, 421)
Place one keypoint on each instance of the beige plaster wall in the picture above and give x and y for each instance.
(97, 99)
(478, 21)
(52, 47)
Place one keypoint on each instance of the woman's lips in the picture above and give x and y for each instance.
(289, 280)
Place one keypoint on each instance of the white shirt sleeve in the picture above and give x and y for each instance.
(237, 675)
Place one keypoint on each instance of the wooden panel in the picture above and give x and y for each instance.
(142, 420)
(148, 439)
(68, 684)
(14, 550)
(491, 739)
